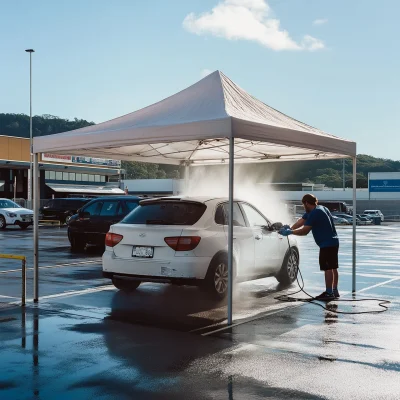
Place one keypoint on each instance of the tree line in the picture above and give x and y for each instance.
(328, 172)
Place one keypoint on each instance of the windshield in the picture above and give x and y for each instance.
(8, 204)
(166, 213)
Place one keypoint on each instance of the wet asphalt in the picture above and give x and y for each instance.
(87, 340)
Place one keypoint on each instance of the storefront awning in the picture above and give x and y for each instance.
(92, 189)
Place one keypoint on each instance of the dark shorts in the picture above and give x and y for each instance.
(328, 258)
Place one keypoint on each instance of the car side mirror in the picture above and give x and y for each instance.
(84, 215)
(276, 226)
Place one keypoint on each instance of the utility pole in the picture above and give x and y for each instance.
(30, 175)
(344, 179)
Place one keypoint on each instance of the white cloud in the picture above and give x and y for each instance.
(321, 21)
(204, 72)
(247, 20)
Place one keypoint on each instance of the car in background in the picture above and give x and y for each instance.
(340, 220)
(364, 219)
(375, 213)
(13, 214)
(61, 209)
(184, 241)
(93, 221)
(348, 218)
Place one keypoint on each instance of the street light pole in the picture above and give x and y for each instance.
(30, 176)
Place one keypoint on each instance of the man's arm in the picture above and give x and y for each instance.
(298, 224)
(305, 230)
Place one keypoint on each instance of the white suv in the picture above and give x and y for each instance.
(13, 214)
(375, 213)
(184, 241)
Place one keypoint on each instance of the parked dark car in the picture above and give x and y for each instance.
(61, 209)
(93, 221)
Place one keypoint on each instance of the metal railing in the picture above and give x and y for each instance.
(23, 259)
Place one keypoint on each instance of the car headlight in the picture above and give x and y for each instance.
(11, 215)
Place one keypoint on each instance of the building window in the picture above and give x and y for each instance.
(59, 176)
(65, 176)
(91, 178)
(102, 178)
(71, 176)
(47, 174)
(97, 178)
(85, 177)
(78, 177)
(52, 175)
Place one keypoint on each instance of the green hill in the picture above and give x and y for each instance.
(328, 172)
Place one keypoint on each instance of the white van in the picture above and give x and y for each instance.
(375, 213)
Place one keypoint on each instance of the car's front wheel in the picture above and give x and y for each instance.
(2, 222)
(125, 286)
(290, 267)
(216, 281)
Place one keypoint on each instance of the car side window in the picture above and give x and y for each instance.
(253, 216)
(50, 204)
(109, 208)
(238, 219)
(220, 215)
(94, 208)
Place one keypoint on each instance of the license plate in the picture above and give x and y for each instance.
(143, 252)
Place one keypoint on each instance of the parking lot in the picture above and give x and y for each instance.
(86, 339)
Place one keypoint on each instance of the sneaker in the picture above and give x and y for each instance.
(336, 293)
(325, 296)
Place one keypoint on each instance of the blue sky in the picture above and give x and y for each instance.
(332, 64)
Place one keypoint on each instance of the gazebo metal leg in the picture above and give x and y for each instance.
(36, 196)
(230, 230)
(354, 221)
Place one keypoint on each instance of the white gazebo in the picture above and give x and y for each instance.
(211, 122)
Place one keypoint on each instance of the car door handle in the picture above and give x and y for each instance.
(258, 237)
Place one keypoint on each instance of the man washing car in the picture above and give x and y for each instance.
(319, 220)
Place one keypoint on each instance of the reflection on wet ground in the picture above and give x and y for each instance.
(85, 339)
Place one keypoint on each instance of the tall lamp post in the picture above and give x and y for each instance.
(30, 180)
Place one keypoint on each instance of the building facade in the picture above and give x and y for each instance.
(60, 175)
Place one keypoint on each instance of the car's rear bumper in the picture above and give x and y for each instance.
(177, 268)
(156, 279)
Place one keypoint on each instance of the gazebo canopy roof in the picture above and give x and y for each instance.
(194, 126)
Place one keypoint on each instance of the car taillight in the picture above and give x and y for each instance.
(183, 243)
(112, 239)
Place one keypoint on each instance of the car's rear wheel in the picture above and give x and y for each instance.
(290, 267)
(77, 242)
(216, 281)
(2, 222)
(125, 285)
(23, 226)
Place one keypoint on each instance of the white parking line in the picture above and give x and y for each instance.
(378, 284)
(8, 297)
(55, 266)
(72, 293)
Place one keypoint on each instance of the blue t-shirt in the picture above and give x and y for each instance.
(323, 228)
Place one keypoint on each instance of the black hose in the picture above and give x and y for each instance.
(289, 297)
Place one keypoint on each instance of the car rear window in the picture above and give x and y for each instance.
(166, 213)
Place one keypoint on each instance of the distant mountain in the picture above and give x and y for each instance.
(328, 172)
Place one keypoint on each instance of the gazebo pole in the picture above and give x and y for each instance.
(354, 221)
(230, 228)
(36, 196)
